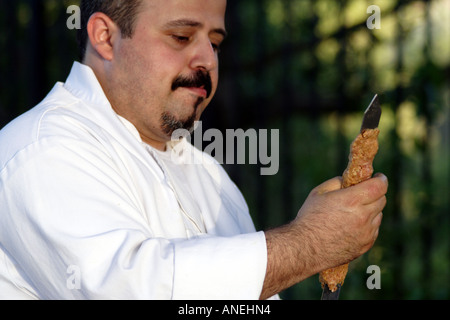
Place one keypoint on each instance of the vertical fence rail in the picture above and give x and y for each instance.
(9, 62)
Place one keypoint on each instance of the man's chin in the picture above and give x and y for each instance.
(170, 124)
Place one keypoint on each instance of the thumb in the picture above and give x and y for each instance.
(329, 185)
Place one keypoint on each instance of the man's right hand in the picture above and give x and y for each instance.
(334, 226)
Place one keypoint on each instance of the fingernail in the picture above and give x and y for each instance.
(382, 176)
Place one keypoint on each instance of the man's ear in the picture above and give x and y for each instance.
(102, 32)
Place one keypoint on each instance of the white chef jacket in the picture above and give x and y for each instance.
(89, 211)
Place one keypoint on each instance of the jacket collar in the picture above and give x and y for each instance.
(84, 85)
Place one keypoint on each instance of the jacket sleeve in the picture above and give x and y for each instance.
(74, 231)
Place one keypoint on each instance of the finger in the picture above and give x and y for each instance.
(374, 209)
(379, 204)
(375, 236)
(373, 189)
(328, 186)
(376, 222)
(380, 175)
(369, 194)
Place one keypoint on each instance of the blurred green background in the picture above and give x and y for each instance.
(308, 68)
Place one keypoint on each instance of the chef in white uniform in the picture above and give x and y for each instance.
(98, 202)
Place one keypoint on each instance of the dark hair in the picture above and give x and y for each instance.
(122, 12)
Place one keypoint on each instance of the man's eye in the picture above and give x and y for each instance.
(216, 47)
(181, 39)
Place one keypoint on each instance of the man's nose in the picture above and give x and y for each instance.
(204, 56)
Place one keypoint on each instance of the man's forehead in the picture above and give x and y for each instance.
(187, 6)
(197, 11)
(181, 23)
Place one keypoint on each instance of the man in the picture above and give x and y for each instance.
(95, 205)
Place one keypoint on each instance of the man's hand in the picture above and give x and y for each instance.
(334, 226)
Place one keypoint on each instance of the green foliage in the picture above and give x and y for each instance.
(312, 67)
(308, 68)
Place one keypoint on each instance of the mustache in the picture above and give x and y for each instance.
(197, 80)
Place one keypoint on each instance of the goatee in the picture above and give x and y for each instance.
(169, 123)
